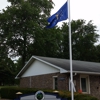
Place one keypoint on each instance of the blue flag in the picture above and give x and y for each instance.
(60, 15)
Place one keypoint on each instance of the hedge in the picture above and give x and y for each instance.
(10, 93)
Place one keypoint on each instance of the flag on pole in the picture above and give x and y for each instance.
(60, 15)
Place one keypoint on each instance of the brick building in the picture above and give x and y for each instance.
(54, 73)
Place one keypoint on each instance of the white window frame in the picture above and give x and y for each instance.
(87, 83)
(54, 81)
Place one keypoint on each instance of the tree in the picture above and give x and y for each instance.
(7, 71)
(84, 37)
(21, 23)
(49, 43)
(24, 34)
(97, 52)
(65, 41)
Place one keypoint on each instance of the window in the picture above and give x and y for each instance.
(84, 84)
(55, 83)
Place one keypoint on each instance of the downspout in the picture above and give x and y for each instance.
(73, 84)
(30, 82)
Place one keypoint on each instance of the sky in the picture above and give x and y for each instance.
(82, 9)
(79, 9)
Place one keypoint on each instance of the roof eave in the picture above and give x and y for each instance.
(22, 70)
(84, 72)
(61, 69)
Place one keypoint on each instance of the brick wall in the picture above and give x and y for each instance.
(25, 82)
(77, 79)
(63, 82)
(45, 81)
(95, 86)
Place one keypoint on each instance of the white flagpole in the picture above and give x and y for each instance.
(70, 50)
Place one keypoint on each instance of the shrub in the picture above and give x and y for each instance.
(77, 96)
(10, 93)
(85, 97)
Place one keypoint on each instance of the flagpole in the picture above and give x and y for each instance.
(70, 50)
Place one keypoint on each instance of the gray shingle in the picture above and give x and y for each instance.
(77, 65)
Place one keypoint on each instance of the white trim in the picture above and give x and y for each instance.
(39, 68)
(23, 67)
(87, 83)
(83, 72)
(61, 69)
(69, 85)
(30, 81)
(54, 81)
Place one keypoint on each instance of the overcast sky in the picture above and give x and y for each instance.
(80, 9)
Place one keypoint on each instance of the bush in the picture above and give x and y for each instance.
(10, 93)
(77, 96)
(85, 97)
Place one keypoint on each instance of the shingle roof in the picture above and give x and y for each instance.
(77, 65)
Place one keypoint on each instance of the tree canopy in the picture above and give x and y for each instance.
(23, 34)
(84, 36)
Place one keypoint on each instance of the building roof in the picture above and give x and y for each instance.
(78, 66)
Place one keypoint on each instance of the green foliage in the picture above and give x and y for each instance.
(10, 93)
(7, 71)
(85, 97)
(77, 96)
(84, 36)
(23, 34)
(22, 23)
(97, 52)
